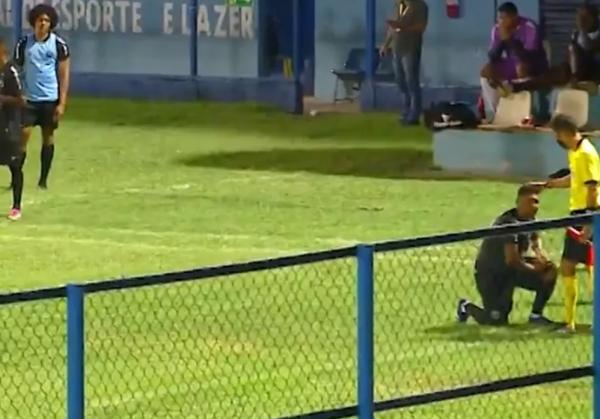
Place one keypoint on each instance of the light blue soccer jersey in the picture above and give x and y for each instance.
(39, 61)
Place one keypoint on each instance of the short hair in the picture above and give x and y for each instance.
(509, 8)
(593, 11)
(527, 190)
(590, 8)
(563, 123)
(43, 9)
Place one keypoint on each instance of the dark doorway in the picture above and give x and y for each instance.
(277, 39)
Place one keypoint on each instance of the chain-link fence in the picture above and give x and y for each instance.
(255, 345)
(32, 359)
(279, 338)
(421, 348)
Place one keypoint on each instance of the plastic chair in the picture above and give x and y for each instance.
(573, 103)
(512, 110)
(352, 74)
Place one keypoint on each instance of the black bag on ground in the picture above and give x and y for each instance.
(445, 115)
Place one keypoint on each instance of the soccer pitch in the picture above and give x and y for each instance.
(143, 187)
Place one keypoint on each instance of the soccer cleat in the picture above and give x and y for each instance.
(566, 330)
(541, 321)
(14, 214)
(461, 311)
(43, 184)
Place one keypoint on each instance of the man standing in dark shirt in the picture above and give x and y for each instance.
(508, 262)
(11, 103)
(405, 36)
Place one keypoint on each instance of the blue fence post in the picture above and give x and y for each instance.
(365, 297)
(297, 56)
(193, 18)
(367, 92)
(75, 353)
(17, 16)
(596, 319)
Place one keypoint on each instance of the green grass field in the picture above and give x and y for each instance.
(144, 187)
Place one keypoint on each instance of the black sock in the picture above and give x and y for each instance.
(46, 157)
(17, 185)
(542, 296)
(20, 164)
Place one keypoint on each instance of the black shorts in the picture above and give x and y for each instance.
(10, 151)
(497, 289)
(574, 250)
(40, 114)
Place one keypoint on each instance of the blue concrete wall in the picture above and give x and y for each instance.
(151, 36)
(276, 92)
(526, 153)
(454, 49)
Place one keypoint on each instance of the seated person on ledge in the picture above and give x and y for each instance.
(584, 58)
(516, 53)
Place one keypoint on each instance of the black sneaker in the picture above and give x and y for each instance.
(541, 321)
(461, 311)
(42, 184)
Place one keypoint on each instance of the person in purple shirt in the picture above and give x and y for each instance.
(516, 52)
(582, 69)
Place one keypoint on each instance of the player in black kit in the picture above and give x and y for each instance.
(11, 104)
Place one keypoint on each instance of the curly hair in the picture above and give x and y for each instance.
(592, 10)
(43, 9)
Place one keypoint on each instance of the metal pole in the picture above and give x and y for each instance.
(370, 41)
(75, 353)
(297, 56)
(365, 331)
(367, 93)
(193, 18)
(17, 16)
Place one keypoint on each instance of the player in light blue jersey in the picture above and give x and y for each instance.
(44, 59)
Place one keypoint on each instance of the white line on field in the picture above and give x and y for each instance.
(181, 187)
(340, 241)
(247, 179)
(53, 239)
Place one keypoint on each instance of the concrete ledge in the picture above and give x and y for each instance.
(508, 153)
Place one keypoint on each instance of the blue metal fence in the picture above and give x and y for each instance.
(101, 317)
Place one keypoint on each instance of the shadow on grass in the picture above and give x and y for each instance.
(473, 333)
(386, 163)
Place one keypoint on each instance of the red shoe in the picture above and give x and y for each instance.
(14, 214)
